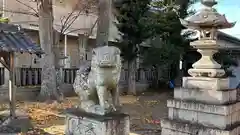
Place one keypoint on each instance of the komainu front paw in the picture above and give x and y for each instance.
(87, 104)
(97, 109)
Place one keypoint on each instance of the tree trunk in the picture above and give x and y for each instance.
(56, 48)
(48, 86)
(57, 57)
(105, 11)
(132, 77)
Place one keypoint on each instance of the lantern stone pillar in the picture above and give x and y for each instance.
(205, 104)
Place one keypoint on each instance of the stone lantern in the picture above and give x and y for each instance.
(205, 104)
(207, 21)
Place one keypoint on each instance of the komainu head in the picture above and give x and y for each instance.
(106, 57)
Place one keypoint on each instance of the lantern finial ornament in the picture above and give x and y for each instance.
(208, 3)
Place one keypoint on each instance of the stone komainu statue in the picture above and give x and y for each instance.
(97, 84)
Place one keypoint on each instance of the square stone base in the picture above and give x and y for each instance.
(206, 96)
(206, 83)
(172, 127)
(219, 116)
(82, 123)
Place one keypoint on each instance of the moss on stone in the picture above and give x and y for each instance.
(4, 20)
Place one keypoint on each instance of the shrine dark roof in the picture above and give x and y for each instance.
(13, 39)
(229, 38)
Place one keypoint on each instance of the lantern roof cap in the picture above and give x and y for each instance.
(207, 17)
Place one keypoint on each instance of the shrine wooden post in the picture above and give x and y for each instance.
(12, 41)
(12, 88)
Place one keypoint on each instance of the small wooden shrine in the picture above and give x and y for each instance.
(14, 40)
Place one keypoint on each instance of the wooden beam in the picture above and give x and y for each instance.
(4, 59)
(12, 90)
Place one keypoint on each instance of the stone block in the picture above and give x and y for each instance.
(215, 116)
(205, 83)
(206, 96)
(172, 127)
(82, 123)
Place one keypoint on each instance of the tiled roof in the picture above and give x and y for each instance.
(12, 39)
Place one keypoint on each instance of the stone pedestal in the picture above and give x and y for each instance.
(82, 123)
(203, 106)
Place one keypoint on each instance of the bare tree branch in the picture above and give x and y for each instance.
(66, 21)
(38, 4)
(70, 22)
(80, 6)
(36, 11)
(71, 18)
(90, 29)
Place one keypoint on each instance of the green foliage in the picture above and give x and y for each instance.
(4, 20)
(166, 55)
(226, 60)
(143, 21)
(168, 28)
(134, 25)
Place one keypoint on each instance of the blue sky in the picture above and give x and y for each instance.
(231, 9)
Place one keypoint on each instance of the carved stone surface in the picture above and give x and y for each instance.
(205, 83)
(97, 84)
(213, 73)
(82, 123)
